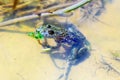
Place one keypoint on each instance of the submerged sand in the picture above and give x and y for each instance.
(21, 57)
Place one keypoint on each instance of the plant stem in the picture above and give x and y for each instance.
(73, 7)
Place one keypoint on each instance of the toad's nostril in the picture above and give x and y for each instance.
(49, 26)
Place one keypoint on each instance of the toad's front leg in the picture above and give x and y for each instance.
(46, 45)
(43, 44)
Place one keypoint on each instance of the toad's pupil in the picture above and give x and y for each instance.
(51, 32)
(49, 26)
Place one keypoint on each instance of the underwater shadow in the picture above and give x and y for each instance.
(67, 69)
(80, 58)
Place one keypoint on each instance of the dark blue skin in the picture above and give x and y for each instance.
(66, 35)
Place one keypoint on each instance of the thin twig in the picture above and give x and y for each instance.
(51, 9)
(73, 7)
(117, 59)
(109, 67)
(15, 3)
(54, 8)
(18, 20)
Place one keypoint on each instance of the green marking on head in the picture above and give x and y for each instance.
(31, 34)
(36, 35)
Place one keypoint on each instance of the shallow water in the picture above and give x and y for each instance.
(21, 57)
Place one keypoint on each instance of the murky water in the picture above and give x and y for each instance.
(21, 57)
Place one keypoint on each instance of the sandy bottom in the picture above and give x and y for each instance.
(21, 57)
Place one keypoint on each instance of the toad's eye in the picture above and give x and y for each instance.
(49, 26)
(51, 32)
